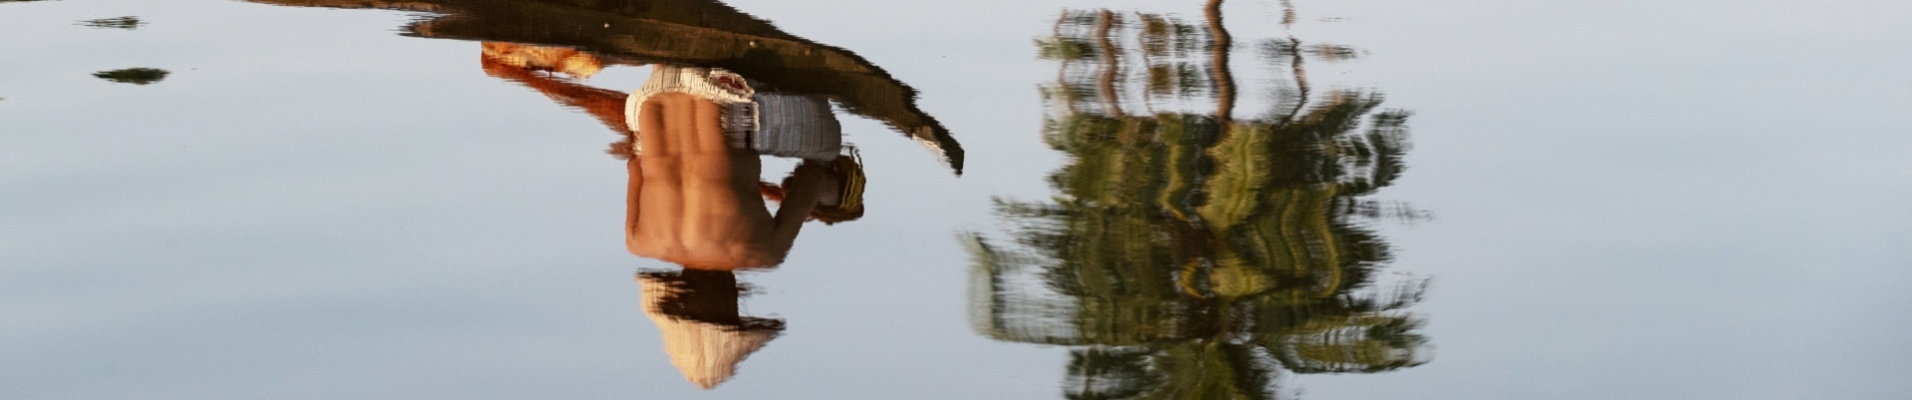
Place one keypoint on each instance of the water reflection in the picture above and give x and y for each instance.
(1191, 252)
(724, 91)
(127, 23)
(695, 200)
(136, 76)
(700, 33)
(694, 160)
(696, 310)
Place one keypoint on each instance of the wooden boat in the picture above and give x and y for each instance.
(687, 32)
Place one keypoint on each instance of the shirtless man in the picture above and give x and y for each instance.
(694, 197)
(695, 201)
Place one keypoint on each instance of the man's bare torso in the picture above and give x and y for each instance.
(694, 199)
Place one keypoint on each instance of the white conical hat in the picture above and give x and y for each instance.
(706, 353)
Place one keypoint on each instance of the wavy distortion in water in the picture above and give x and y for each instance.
(1189, 253)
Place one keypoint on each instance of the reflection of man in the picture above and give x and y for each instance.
(694, 199)
(692, 141)
(694, 196)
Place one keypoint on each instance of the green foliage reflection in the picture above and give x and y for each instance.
(137, 76)
(127, 23)
(1191, 254)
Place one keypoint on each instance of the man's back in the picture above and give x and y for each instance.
(693, 199)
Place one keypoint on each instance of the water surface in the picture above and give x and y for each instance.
(1465, 200)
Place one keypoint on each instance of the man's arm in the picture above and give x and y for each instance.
(631, 198)
(800, 198)
(604, 104)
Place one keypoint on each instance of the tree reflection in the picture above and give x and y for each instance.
(127, 23)
(1189, 253)
(136, 76)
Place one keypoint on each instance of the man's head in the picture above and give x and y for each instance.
(844, 204)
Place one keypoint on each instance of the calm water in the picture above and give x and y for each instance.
(213, 199)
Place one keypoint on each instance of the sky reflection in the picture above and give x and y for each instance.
(1638, 200)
